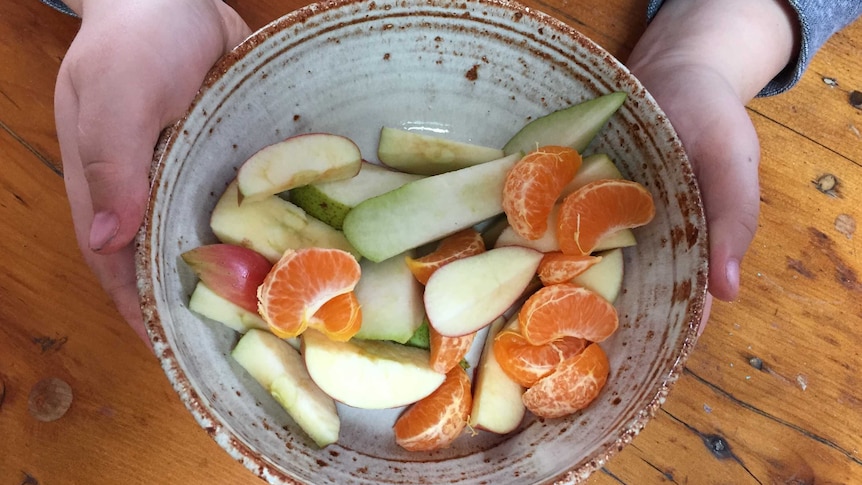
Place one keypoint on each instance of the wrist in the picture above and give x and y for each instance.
(748, 42)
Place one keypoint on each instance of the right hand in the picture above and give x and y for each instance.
(133, 69)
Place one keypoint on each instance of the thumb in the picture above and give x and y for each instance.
(726, 160)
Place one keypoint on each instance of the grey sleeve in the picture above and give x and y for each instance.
(818, 20)
(59, 6)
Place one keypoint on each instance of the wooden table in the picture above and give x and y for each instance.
(771, 394)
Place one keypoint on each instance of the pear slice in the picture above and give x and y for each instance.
(575, 126)
(606, 276)
(412, 152)
(597, 166)
(331, 201)
(468, 294)
(296, 161)
(497, 404)
(280, 369)
(271, 225)
(369, 374)
(391, 300)
(207, 303)
(427, 210)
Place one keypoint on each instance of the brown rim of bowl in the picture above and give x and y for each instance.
(226, 438)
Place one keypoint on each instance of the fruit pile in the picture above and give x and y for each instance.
(369, 284)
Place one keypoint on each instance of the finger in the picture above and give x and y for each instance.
(236, 30)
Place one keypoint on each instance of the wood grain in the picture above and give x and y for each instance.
(771, 394)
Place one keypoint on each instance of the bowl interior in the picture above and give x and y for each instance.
(473, 71)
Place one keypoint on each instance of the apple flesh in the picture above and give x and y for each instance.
(606, 276)
(208, 303)
(468, 294)
(331, 201)
(280, 369)
(231, 271)
(427, 210)
(575, 126)
(391, 300)
(369, 374)
(421, 154)
(497, 404)
(271, 226)
(296, 161)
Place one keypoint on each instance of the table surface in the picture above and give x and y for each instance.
(770, 395)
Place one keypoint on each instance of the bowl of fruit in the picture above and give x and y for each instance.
(422, 242)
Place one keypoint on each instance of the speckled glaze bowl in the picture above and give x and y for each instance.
(474, 71)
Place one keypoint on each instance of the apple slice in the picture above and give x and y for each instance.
(331, 201)
(369, 374)
(279, 368)
(606, 276)
(391, 300)
(594, 167)
(296, 161)
(427, 210)
(497, 404)
(232, 271)
(412, 152)
(208, 303)
(271, 225)
(548, 242)
(468, 294)
(575, 126)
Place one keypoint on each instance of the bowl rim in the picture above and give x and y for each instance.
(221, 433)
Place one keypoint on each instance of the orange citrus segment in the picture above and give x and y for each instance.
(601, 208)
(340, 318)
(447, 352)
(566, 310)
(557, 267)
(526, 363)
(467, 242)
(572, 386)
(435, 421)
(533, 186)
(300, 283)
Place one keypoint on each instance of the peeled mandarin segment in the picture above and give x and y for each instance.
(340, 318)
(301, 282)
(526, 363)
(437, 420)
(572, 386)
(462, 244)
(566, 310)
(558, 267)
(533, 186)
(601, 208)
(447, 352)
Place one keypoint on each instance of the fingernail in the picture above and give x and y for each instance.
(731, 272)
(104, 228)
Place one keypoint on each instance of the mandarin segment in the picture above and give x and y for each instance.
(557, 267)
(526, 363)
(300, 283)
(437, 420)
(567, 310)
(464, 243)
(533, 186)
(572, 386)
(447, 352)
(601, 208)
(339, 318)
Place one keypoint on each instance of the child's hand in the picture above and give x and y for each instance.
(703, 60)
(133, 69)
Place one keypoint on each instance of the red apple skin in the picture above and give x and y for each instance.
(232, 272)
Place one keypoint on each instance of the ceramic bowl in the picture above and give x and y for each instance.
(474, 71)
